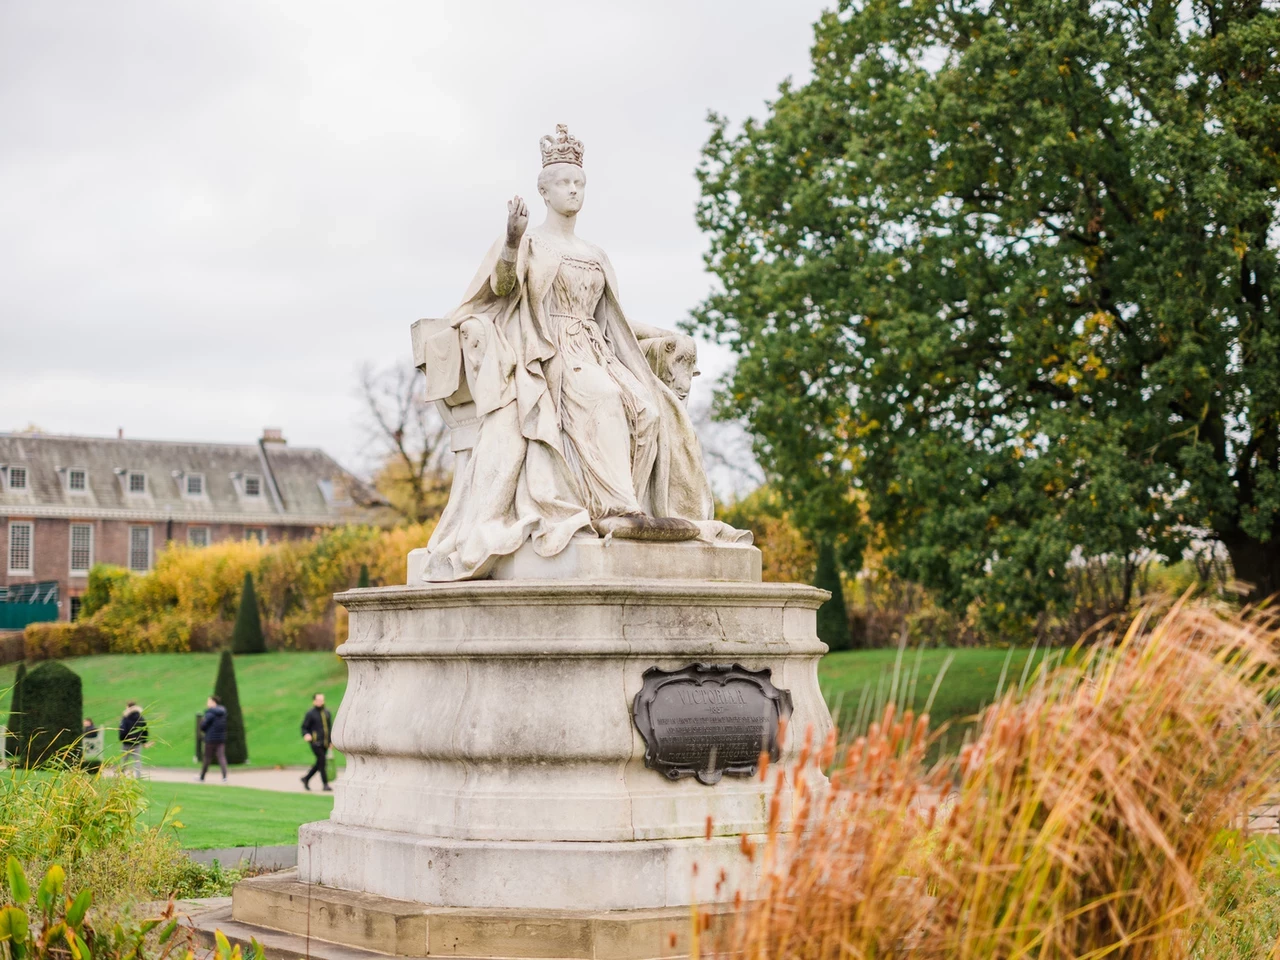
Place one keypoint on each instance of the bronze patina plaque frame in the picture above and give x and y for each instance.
(709, 719)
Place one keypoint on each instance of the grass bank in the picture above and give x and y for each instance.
(202, 816)
(275, 692)
(971, 681)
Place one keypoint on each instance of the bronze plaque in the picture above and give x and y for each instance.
(706, 720)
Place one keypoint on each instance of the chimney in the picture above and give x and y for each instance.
(119, 433)
(272, 435)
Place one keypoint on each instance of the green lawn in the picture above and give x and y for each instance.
(970, 682)
(275, 692)
(212, 815)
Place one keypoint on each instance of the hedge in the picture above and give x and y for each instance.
(58, 641)
(833, 616)
(190, 599)
(247, 635)
(11, 647)
(224, 688)
(53, 710)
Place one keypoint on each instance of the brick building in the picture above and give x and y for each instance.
(67, 503)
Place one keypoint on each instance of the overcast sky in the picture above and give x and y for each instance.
(212, 214)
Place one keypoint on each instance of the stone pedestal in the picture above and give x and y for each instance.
(492, 759)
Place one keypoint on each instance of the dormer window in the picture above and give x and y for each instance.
(17, 478)
(77, 480)
(252, 485)
(137, 482)
(194, 484)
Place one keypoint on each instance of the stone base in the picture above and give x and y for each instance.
(493, 761)
(537, 875)
(590, 558)
(360, 921)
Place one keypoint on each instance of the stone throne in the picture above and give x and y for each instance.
(538, 757)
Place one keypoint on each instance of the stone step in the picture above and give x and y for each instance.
(276, 945)
(285, 913)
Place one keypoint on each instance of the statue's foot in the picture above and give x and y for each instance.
(637, 526)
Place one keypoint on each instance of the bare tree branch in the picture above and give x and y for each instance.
(406, 442)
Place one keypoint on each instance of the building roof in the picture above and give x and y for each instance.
(266, 482)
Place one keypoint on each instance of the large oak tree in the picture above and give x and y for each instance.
(1011, 268)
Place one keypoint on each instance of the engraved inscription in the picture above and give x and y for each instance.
(706, 720)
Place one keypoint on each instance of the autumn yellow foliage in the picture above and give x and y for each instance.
(189, 600)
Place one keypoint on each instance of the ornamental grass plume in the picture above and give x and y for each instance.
(1087, 819)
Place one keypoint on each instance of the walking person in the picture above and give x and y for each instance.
(214, 728)
(133, 737)
(315, 731)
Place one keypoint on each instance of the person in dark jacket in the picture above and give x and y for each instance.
(315, 731)
(133, 737)
(214, 728)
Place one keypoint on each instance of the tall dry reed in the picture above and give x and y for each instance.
(1086, 820)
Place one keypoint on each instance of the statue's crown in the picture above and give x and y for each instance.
(562, 147)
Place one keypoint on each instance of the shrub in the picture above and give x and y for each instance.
(91, 825)
(191, 598)
(105, 581)
(247, 636)
(63, 927)
(65, 814)
(225, 689)
(53, 707)
(1090, 816)
(55, 640)
(10, 647)
(13, 733)
(833, 616)
(787, 555)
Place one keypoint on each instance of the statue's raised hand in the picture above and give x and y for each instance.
(517, 220)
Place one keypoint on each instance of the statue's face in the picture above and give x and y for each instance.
(681, 369)
(563, 186)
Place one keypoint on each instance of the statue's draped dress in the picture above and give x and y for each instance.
(607, 424)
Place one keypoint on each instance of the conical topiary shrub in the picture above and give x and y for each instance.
(363, 581)
(224, 688)
(53, 710)
(13, 735)
(833, 616)
(247, 636)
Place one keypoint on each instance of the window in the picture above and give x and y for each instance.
(256, 533)
(198, 536)
(17, 478)
(81, 548)
(195, 484)
(77, 481)
(75, 609)
(140, 549)
(20, 552)
(252, 485)
(137, 482)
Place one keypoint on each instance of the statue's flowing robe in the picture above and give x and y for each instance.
(515, 483)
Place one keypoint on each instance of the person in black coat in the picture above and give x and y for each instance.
(133, 737)
(315, 731)
(214, 728)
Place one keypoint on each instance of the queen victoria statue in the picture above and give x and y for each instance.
(560, 425)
